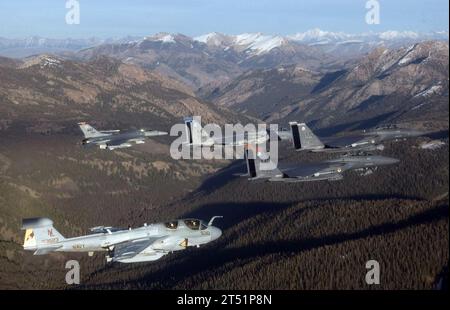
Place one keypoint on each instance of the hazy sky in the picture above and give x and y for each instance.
(112, 18)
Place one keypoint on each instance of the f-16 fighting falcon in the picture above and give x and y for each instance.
(331, 170)
(113, 139)
(304, 139)
(144, 244)
(197, 136)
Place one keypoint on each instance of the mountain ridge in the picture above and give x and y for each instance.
(410, 82)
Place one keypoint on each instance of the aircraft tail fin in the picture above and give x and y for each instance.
(89, 131)
(254, 166)
(196, 135)
(303, 137)
(251, 164)
(40, 235)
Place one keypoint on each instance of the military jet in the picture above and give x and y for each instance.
(330, 170)
(144, 244)
(197, 136)
(305, 140)
(113, 139)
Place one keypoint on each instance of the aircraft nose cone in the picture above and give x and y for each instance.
(215, 233)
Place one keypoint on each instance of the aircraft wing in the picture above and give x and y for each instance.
(102, 141)
(339, 142)
(155, 133)
(312, 172)
(44, 251)
(303, 171)
(110, 131)
(378, 137)
(117, 142)
(132, 248)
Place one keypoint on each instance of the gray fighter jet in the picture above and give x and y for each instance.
(144, 244)
(113, 139)
(330, 170)
(305, 140)
(197, 136)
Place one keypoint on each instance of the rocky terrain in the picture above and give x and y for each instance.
(47, 93)
(265, 91)
(197, 62)
(392, 85)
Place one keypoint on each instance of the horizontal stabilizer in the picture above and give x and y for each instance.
(44, 251)
(110, 131)
(155, 133)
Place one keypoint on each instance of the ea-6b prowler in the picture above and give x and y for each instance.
(114, 139)
(304, 139)
(144, 244)
(329, 170)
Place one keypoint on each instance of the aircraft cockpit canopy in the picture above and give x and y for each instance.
(192, 224)
(195, 224)
(172, 225)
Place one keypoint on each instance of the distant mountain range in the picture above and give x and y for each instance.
(256, 43)
(316, 76)
(24, 47)
(408, 83)
(196, 63)
(218, 58)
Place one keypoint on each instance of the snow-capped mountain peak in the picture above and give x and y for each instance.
(162, 37)
(396, 35)
(254, 43)
(259, 43)
(213, 38)
(318, 35)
